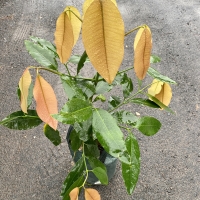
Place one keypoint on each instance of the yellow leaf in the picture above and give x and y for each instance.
(155, 88)
(88, 2)
(75, 22)
(46, 102)
(64, 37)
(74, 194)
(165, 94)
(24, 84)
(103, 37)
(142, 51)
(92, 194)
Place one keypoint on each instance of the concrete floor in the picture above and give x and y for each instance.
(32, 168)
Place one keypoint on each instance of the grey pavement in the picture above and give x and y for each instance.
(32, 168)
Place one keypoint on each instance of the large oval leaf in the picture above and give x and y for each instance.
(73, 15)
(20, 121)
(87, 3)
(101, 175)
(103, 37)
(142, 51)
(46, 102)
(75, 110)
(92, 194)
(64, 37)
(148, 125)
(131, 172)
(107, 132)
(24, 84)
(42, 55)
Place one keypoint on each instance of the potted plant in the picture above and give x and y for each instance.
(97, 137)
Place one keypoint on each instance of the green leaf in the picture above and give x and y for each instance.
(44, 43)
(75, 59)
(87, 87)
(154, 59)
(107, 132)
(52, 135)
(131, 172)
(43, 56)
(73, 175)
(160, 104)
(75, 140)
(94, 162)
(148, 125)
(84, 129)
(21, 121)
(101, 175)
(78, 183)
(92, 150)
(75, 110)
(114, 101)
(125, 117)
(30, 94)
(103, 87)
(71, 88)
(145, 102)
(100, 97)
(125, 82)
(81, 62)
(155, 74)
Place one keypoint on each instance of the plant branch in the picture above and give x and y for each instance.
(133, 30)
(68, 70)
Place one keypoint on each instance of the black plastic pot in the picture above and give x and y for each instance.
(109, 161)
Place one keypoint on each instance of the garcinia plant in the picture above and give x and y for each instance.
(103, 34)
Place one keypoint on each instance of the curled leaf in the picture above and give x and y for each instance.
(64, 37)
(103, 37)
(74, 194)
(73, 15)
(46, 102)
(142, 51)
(165, 94)
(156, 87)
(24, 84)
(161, 91)
(92, 194)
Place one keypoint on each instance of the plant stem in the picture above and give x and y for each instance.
(85, 167)
(75, 15)
(47, 69)
(68, 70)
(133, 30)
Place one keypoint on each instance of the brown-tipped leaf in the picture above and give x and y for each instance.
(165, 94)
(64, 37)
(92, 194)
(74, 194)
(142, 51)
(73, 15)
(103, 37)
(46, 102)
(24, 84)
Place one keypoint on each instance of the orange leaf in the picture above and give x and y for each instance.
(64, 37)
(46, 102)
(165, 94)
(142, 51)
(24, 84)
(92, 194)
(103, 37)
(156, 87)
(75, 22)
(74, 194)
